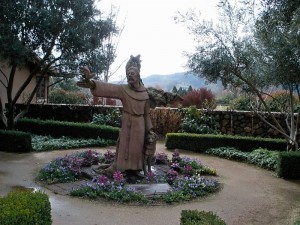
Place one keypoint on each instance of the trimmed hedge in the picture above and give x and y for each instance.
(26, 208)
(195, 217)
(202, 142)
(15, 141)
(69, 129)
(289, 165)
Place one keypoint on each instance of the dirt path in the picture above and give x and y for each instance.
(250, 195)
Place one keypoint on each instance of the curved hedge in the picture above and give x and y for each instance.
(15, 141)
(69, 129)
(202, 142)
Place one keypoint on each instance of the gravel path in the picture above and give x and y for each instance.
(250, 195)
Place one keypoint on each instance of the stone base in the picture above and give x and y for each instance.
(151, 189)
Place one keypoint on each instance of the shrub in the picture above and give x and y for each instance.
(15, 141)
(260, 157)
(289, 165)
(26, 208)
(48, 143)
(112, 118)
(241, 103)
(69, 129)
(195, 217)
(202, 142)
(60, 96)
(279, 101)
(201, 98)
(195, 121)
(264, 158)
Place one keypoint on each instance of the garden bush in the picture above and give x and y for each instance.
(202, 98)
(260, 157)
(241, 103)
(69, 129)
(111, 118)
(15, 141)
(26, 208)
(289, 165)
(48, 143)
(60, 96)
(195, 121)
(279, 101)
(202, 142)
(195, 217)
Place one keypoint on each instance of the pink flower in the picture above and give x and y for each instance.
(118, 177)
(103, 180)
(188, 168)
(150, 177)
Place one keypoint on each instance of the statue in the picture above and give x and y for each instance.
(136, 124)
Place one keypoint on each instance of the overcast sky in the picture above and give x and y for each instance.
(151, 31)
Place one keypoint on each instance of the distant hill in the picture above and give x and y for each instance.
(184, 80)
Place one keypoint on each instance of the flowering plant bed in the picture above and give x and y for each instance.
(188, 178)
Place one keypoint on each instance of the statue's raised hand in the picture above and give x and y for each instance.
(86, 81)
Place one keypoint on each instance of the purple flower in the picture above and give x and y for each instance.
(161, 158)
(109, 156)
(150, 177)
(171, 175)
(188, 170)
(118, 177)
(175, 166)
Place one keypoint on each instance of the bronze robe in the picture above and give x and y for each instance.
(135, 123)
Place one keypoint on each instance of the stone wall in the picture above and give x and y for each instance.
(242, 123)
(165, 120)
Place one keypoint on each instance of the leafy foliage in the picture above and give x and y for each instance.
(186, 186)
(60, 96)
(201, 98)
(50, 37)
(241, 103)
(195, 217)
(202, 142)
(48, 143)
(253, 52)
(112, 118)
(25, 207)
(195, 121)
(260, 157)
(279, 101)
(68, 168)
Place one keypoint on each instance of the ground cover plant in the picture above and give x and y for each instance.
(260, 157)
(185, 176)
(48, 143)
(193, 217)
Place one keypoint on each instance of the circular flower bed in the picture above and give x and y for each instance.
(188, 178)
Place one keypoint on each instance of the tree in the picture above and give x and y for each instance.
(52, 35)
(201, 98)
(174, 90)
(190, 88)
(255, 53)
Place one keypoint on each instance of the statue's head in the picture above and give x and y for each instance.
(135, 63)
(133, 68)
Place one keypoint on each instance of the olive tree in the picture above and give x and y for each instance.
(51, 35)
(255, 51)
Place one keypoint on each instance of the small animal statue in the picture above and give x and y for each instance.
(149, 151)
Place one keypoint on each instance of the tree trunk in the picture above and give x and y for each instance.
(10, 118)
